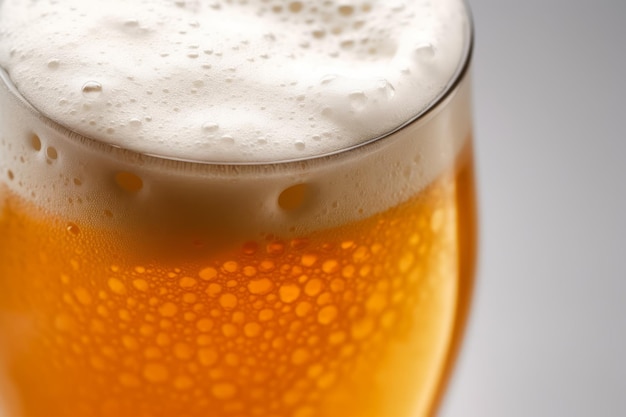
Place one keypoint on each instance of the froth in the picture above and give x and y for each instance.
(232, 81)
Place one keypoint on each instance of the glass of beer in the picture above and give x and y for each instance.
(233, 208)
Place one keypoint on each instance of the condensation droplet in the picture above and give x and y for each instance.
(92, 89)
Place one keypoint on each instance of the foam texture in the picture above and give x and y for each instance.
(232, 81)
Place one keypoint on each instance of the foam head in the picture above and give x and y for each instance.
(226, 81)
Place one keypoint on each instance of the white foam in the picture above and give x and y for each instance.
(232, 81)
(114, 70)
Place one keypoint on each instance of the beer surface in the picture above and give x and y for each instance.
(353, 321)
(232, 81)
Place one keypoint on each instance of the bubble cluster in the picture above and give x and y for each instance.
(199, 80)
(289, 327)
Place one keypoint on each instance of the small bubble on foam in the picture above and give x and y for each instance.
(92, 89)
(53, 64)
(35, 142)
(345, 10)
(425, 51)
(227, 140)
(358, 100)
(52, 153)
(10, 174)
(134, 123)
(327, 79)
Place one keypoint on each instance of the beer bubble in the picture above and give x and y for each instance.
(224, 390)
(204, 325)
(327, 315)
(129, 380)
(229, 330)
(92, 89)
(294, 197)
(425, 51)
(130, 343)
(73, 228)
(260, 286)
(53, 64)
(361, 329)
(213, 289)
(358, 100)
(266, 315)
(300, 356)
(64, 322)
(207, 357)
(187, 282)
(183, 351)
(83, 296)
(35, 142)
(168, 309)
(210, 127)
(252, 329)
(117, 286)
(313, 287)
(155, 372)
(140, 285)
(228, 301)
(303, 308)
(183, 383)
(129, 182)
(295, 6)
(345, 10)
(51, 152)
(208, 273)
(289, 292)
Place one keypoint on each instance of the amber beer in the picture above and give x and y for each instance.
(135, 283)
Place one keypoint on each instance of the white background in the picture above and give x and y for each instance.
(547, 335)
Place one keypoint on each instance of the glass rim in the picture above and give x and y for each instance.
(457, 77)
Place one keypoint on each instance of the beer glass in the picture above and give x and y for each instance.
(136, 285)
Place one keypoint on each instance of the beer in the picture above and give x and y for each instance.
(227, 271)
